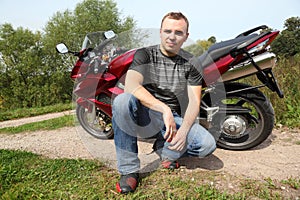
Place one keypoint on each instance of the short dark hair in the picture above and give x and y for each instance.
(177, 16)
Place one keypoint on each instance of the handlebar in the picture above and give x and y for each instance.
(103, 44)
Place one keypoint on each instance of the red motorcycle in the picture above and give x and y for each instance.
(239, 115)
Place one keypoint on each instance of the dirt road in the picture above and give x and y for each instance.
(278, 157)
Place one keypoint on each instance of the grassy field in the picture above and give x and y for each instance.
(24, 175)
(30, 112)
(50, 124)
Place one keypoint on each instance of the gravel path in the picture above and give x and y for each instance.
(18, 122)
(278, 157)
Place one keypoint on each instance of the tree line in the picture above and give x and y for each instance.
(33, 74)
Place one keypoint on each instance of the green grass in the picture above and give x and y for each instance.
(30, 112)
(50, 124)
(26, 175)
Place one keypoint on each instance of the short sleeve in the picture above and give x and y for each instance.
(141, 57)
(196, 72)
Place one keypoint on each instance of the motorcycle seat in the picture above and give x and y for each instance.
(221, 49)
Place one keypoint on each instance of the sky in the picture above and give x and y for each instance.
(219, 18)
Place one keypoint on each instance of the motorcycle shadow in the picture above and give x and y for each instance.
(211, 162)
(265, 143)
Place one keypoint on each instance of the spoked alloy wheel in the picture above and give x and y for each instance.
(243, 130)
(95, 122)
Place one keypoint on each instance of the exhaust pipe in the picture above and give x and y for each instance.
(264, 61)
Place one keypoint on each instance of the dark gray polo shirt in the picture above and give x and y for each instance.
(166, 78)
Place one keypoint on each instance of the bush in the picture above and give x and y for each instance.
(287, 109)
(287, 73)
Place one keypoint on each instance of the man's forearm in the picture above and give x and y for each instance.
(148, 100)
(193, 107)
(190, 116)
(133, 85)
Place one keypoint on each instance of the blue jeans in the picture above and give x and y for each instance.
(131, 120)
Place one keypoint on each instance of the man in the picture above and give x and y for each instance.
(158, 83)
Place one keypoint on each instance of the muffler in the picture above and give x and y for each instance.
(264, 61)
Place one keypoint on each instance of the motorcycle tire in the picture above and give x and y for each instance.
(242, 131)
(96, 123)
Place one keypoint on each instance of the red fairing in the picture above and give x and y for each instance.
(270, 36)
(120, 65)
(94, 84)
(79, 69)
(212, 72)
(88, 103)
(116, 91)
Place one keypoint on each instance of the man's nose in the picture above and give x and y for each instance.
(172, 36)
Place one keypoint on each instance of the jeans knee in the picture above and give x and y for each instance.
(119, 103)
(201, 143)
(210, 146)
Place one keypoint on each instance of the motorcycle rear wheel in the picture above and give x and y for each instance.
(96, 123)
(242, 131)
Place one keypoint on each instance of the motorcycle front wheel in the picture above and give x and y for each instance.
(248, 128)
(95, 122)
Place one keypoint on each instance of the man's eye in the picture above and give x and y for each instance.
(179, 33)
(168, 31)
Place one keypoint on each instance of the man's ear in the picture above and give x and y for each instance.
(187, 35)
(160, 33)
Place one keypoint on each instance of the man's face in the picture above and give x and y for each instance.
(173, 34)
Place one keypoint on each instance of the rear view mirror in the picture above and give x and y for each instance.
(62, 48)
(109, 34)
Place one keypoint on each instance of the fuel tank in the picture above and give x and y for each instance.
(120, 65)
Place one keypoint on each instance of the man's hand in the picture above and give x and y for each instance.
(179, 140)
(169, 124)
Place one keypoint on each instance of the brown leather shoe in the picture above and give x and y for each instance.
(128, 183)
